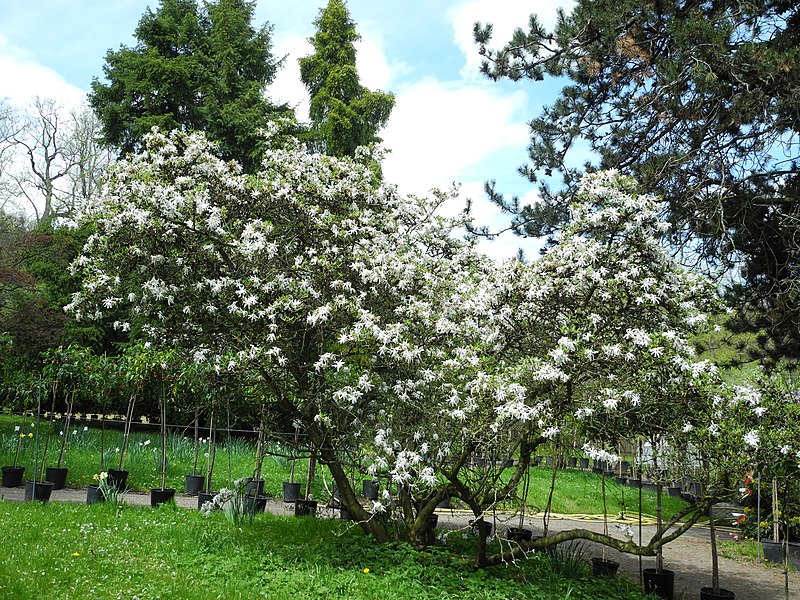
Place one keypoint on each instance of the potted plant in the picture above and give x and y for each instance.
(131, 371)
(602, 566)
(206, 494)
(168, 383)
(12, 475)
(291, 490)
(194, 480)
(255, 484)
(38, 489)
(658, 580)
(305, 506)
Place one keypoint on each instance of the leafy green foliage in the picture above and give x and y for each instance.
(344, 113)
(198, 68)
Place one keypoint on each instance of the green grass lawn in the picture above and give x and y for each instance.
(75, 551)
(577, 492)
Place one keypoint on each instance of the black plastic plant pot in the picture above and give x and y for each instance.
(707, 593)
(604, 568)
(117, 478)
(635, 483)
(194, 483)
(519, 534)
(674, 491)
(572, 462)
(161, 496)
(254, 487)
(57, 476)
(661, 584)
(254, 503)
(203, 497)
(480, 523)
(291, 491)
(94, 494)
(305, 508)
(369, 488)
(39, 491)
(620, 480)
(583, 463)
(12, 476)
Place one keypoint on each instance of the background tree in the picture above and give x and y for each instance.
(344, 114)
(699, 101)
(58, 162)
(195, 68)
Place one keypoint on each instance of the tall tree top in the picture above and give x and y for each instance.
(700, 101)
(195, 68)
(344, 114)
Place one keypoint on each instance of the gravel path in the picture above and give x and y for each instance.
(689, 556)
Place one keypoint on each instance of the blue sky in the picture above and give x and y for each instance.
(449, 123)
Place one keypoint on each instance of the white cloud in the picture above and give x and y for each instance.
(505, 16)
(24, 79)
(287, 86)
(438, 130)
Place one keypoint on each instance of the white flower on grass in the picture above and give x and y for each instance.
(377, 507)
(687, 427)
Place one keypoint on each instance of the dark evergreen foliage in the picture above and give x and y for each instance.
(344, 114)
(697, 99)
(198, 68)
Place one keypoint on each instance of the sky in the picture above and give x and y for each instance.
(449, 125)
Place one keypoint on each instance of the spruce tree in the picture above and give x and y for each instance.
(193, 68)
(344, 114)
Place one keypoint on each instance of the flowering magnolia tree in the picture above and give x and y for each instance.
(400, 351)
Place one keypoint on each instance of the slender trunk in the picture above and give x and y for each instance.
(228, 442)
(546, 516)
(714, 559)
(65, 437)
(102, 445)
(776, 526)
(605, 508)
(163, 443)
(659, 523)
(758, 516)
(44, 452)
(369, 523)
(659, 507)
(786, 543)
(294, 449)
(38, 422)
(212, 452)
(196, 439)
(259, 448)
(312, 462)
(127, 429)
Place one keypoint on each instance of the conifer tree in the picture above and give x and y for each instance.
(194, 68)
(700, 102)
(344, 114)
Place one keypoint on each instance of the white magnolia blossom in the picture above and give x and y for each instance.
(370, 313)
(751, 438)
